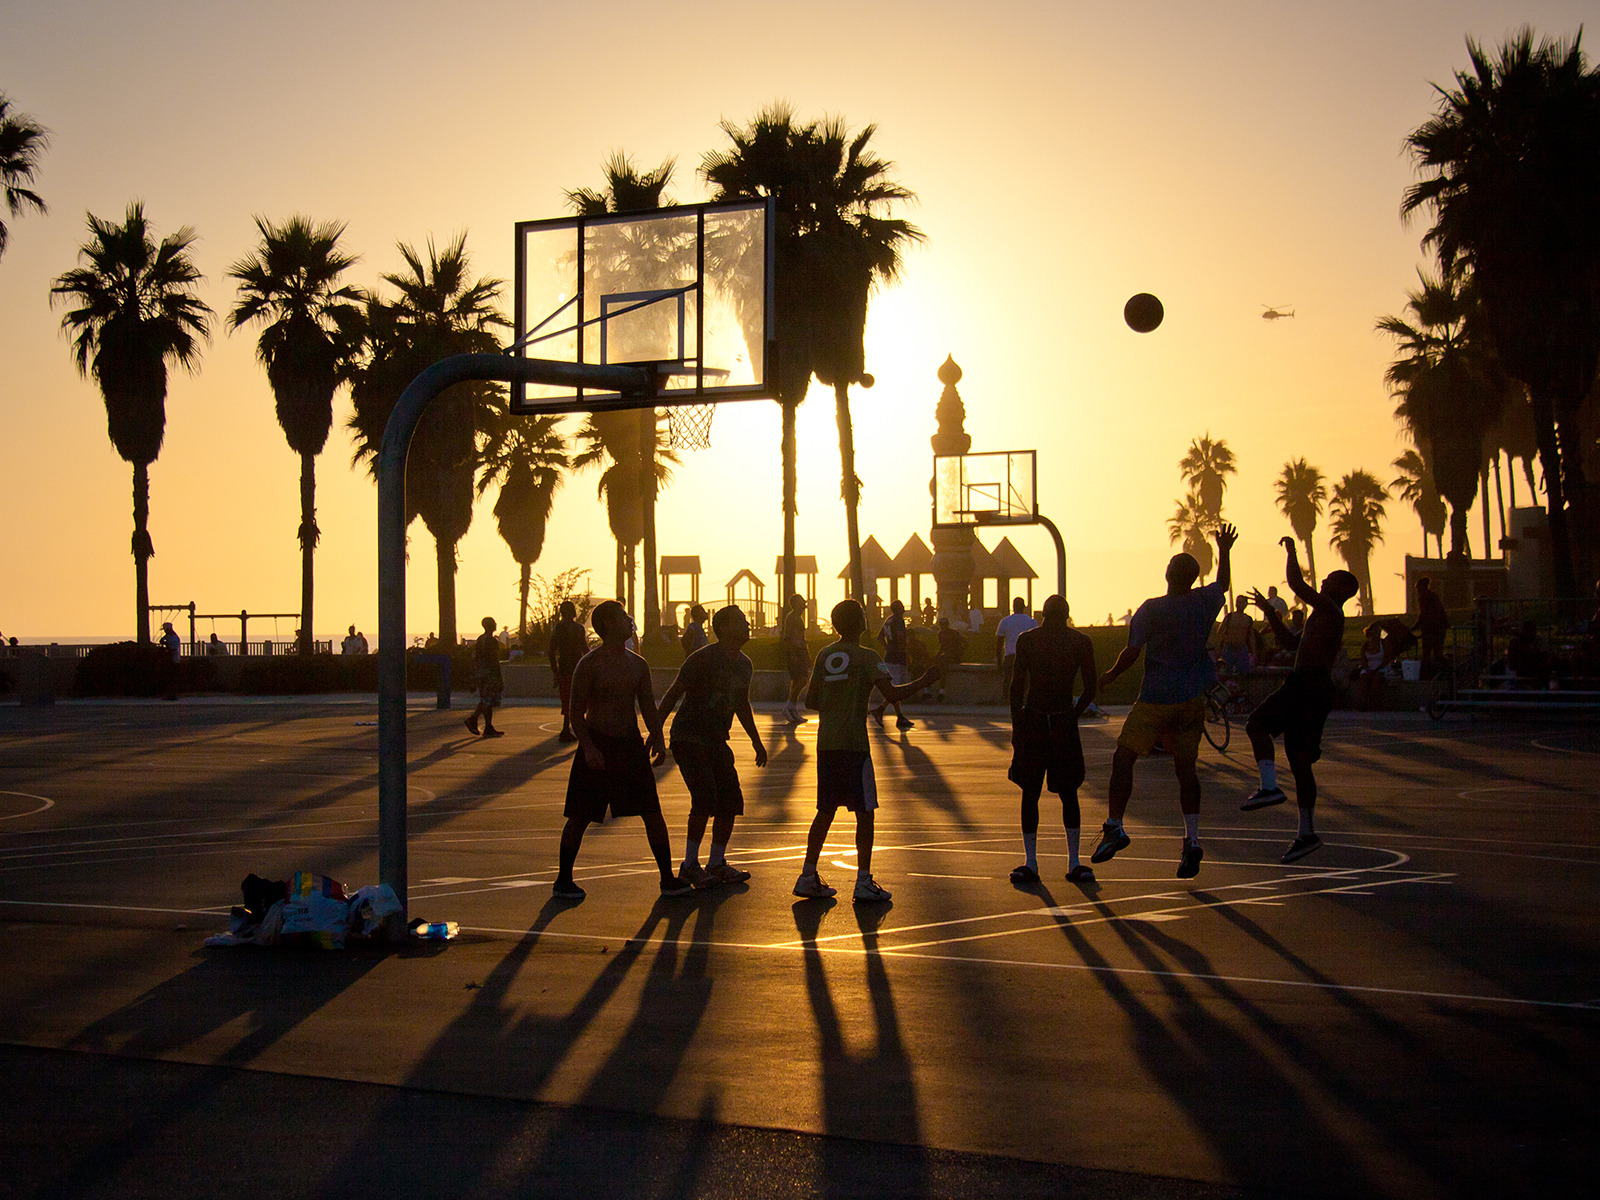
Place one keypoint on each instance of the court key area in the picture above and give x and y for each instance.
(1414, 1010)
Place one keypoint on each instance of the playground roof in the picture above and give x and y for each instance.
(914, 558)
(679, 564)
(875, 562)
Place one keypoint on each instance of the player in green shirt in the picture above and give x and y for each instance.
(843, 679)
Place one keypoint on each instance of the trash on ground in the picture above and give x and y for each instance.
(435, 931)
(306, 909)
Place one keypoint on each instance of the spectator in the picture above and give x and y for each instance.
(951, 647)
(1432, 624)
(214, 647)
(1006, 633)
(568, 644)
(1278, 602)
(930, 614)
(352, 644)
(1238, 644)
(694, 633)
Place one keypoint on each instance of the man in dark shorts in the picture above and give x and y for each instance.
(1045, 745)
(897, 659)
(714, 684)
(1171, 708)
(951, 647)
(796, 658)
(568, 644)
(1298, 710)
(486, 676)
(1433, 622)
(842, 683)
(612, 766)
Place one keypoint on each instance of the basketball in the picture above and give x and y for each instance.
(1143, 312)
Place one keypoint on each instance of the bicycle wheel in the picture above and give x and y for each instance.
(1217, 729)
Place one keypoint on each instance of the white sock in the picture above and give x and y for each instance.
(717, 855)
(1305, 822)
(1030, 848)
(691, 854)
(1072, 847)
(1269, 774)
(1191, 828)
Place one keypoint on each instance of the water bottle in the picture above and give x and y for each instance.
(439, 931)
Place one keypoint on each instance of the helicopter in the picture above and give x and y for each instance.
(1276, 312)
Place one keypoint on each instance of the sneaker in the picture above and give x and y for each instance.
(695, 875)
(903, 723)
(676, 885)
(1189, 864)
(565, 889)
(813, 888)
(725, 873)
(1263, 798)
(472, 726)
(491, 731)
(1302, 846)
(1112, 839)
(1024, 874)
(1080, 874)
(868, 889)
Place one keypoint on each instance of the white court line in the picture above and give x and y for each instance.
(922, 875)
(207, 912)
(45, 802)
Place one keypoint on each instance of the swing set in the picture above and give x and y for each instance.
(241, 648)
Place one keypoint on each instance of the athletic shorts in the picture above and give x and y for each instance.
(1297, 711)
(1046, 749)
(799, 663)
(709, 774)
(627, 786)
(1178, 725)
(490, 688)
(899, 673)
(845, 780)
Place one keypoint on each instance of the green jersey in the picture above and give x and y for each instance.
(844, 674)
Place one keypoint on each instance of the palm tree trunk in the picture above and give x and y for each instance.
(1499, 500)
(308, 547)
(632, 557)
(1483, 490)
(1368, 607)
(789, 506)
(622, 560)
(143, 549)
(1460, 549)
(446, 554)
(851, 486)
(1544, 424)
(522, 606)
(1311, 561)
(1575, 485)
(647, 493)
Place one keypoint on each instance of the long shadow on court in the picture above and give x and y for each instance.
(927, 782)
(768, 792)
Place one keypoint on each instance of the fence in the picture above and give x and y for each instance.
(263, 649)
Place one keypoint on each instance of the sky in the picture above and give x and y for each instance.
(1065, 155)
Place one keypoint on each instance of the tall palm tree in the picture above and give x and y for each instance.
(1205, 468)
(613, 438)
(133, 310)
(1511, 164)
(525, 458)
(1414, 484)
(1302, 493)
(440, 311)
(309, 345)
(1192, 525)
(835, 242)
(22, 140)
(630, 190)
(1357, 511)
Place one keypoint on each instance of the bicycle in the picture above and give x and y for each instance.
(1217, 728)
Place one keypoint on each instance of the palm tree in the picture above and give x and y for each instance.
(308, 347)
(440, 311)
(525, 457)
(834, 244)
(614, 437)
(1192, 525)
(1414, 484)
(1302, 492)
(1511, 160)
(1205, 469)
(134, 311)
(22, 140)
(1357, 511)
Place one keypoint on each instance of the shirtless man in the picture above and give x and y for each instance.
(1044, 731)
(897, 658)
(613, 767)
(1298, 710)
(486, 678)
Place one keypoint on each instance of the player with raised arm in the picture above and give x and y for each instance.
(842, 682)
(1045, 744)
(1298, 710)
(714, 684)
(1178, 670)
(612, 768)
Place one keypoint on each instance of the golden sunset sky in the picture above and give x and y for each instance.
(1066, 155)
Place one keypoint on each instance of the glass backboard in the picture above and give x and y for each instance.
(994, 488)
(687, 290)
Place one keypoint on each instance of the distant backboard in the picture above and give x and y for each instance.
(997, 488)
(687, 290)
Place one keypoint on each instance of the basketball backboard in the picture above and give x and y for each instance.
(687, 290)
(994, 488)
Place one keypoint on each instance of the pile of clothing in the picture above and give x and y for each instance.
(306, 909)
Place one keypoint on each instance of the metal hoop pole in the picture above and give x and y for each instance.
(1061, 554)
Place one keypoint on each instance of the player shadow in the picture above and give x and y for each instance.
(867, 1095)
(769, 789)
(927, 782)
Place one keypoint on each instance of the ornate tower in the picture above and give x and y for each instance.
(952, 548)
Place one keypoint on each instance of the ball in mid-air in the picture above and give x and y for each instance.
(1143, 312)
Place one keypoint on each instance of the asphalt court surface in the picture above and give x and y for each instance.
(1413, 1007)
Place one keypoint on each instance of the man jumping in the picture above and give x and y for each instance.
(1171, 705)
(1298, 710)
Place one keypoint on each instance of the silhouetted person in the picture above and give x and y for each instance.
(842, 683)
(930, 614)
(568, 645)
(1278, 602)
(1012, 626)
(1045, 746)
(1171, 707)
(1433, 622)
(486, 677)
(612, 769)
(1526, 658)
(694, 631)
(1299, 709)
(796, 658)
(351, 645)
(214, 647)
(896, 656)
(172, 646)
(1237, 649)
(714, 684)
(951, 647)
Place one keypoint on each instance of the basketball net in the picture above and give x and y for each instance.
(689, 426)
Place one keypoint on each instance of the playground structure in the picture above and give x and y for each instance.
(805, 579)
(670, 567)
(243, 647)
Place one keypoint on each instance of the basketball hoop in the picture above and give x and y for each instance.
(689, 426)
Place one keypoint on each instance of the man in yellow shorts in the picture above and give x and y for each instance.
(1171, 707)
